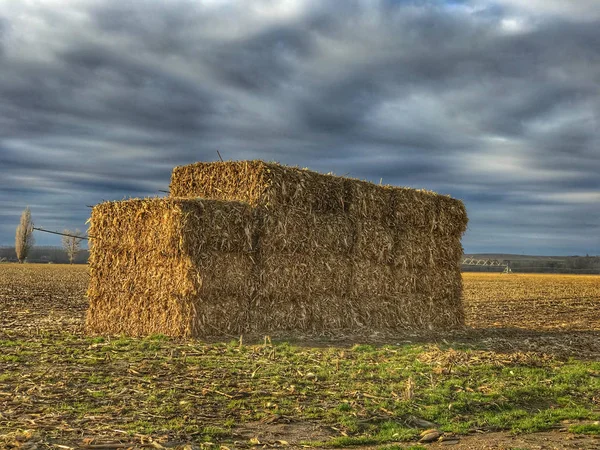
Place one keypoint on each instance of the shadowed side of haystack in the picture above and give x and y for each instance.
(172, 266)
(338, 253)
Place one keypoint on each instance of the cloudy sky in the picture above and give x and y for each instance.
(495, 102)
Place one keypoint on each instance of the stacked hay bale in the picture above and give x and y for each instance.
(303, 239)
(333, 252)
(172, 266)
(253, 246)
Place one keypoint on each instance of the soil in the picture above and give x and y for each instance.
(554, 440)
(294, 433)
(557, 320)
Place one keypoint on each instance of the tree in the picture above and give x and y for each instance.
(72, 243)
(24, 236)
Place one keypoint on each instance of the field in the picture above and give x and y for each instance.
(535, 302)
(524, 374)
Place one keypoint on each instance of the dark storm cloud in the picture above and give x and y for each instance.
(494, 102)
(262, 62)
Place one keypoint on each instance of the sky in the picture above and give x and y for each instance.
(494, 102)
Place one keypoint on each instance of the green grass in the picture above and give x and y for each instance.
(586, 429)
(158, 385)
(349, 441)
(398, 447)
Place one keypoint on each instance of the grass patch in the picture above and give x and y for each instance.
(369, 393)
(586, 429)
(215, 432)
(349, 441)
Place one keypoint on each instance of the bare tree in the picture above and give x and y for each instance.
(24, 236)
(72, 243)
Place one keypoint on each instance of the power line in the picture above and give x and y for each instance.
(62, 234)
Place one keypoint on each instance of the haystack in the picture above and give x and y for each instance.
(345, 253)
(261, 184)
(258, 247)
(172, 266)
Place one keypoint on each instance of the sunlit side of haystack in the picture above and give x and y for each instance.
(259, 247)
(172, 266)
(338, 253)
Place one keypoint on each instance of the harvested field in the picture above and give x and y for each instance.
(535, 371)
(36, 299)
(532, 301)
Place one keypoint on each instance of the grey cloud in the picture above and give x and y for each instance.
(340, 108)
(549, 226)
(581, 10)
(2, 36)
(103, 103)
(262, 63)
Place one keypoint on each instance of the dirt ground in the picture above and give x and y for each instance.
(548, 314)
(554, 440)
(556, 314)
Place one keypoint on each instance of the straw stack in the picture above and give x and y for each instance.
(172, 266)
(258, 247)
(334, 252)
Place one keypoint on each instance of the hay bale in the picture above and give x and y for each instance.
(282, 188)
(301, 291)
(172, 266)
(368, 201)
(254, 246)
(262, 184)
(439, 303)
(397, 248)
(414, 209)
(299, 232)
(371, 280)
(373, 241)
(304, 275)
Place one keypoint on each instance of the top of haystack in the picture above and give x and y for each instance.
(272, 185)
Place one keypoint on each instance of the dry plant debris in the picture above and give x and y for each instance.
(62, 389)
(532, 301)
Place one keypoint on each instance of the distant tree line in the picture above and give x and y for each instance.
(44, 254)
(568, 264)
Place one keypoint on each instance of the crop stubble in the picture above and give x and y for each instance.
(42, 309)
(35, 298)
(532, 301)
